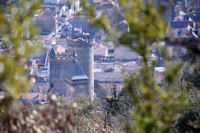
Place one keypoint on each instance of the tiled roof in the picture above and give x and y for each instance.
(60, 49)
(32, 95)
(101, 46)
(101, 50)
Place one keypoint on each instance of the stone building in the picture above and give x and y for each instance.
(71, 72)
(41, 86)
(45, 21)
(101, 50)
(124, 53)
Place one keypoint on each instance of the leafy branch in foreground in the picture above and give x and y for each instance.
(54, 118)
(17, 34)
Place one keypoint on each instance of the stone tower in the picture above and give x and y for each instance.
(77, 69)
(85, 57)
(73, 69)
(58, 68)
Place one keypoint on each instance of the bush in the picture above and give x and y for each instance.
(188, 122)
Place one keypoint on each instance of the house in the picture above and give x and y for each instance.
(81, 27)
(178, 29)
(41, 85)
(100, 50)
(175, 52)
(194, 18)
(124, 53)
(74, 6)
(159, 73)
(192, 5)
(183, 29)
(60, 49)
(51, 1)
(45, 21)
(102, 2)
(105, 81)
(34, 97)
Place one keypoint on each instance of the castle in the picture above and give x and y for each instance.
(72, 71)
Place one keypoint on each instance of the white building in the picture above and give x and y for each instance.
(159, 73)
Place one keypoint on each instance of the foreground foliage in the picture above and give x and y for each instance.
(17, 34)
(89, 116)
(51, 118)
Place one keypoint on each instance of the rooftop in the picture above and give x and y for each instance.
(75, 72)
(41, 80)
(32, 95)
(179, 24)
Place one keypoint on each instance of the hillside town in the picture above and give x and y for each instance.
(77, 58)
(100, 66)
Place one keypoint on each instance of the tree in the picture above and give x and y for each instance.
(53, 118)
(17, 34)
(89, 115)
(188, 122)
(117, 109)
(156, 108)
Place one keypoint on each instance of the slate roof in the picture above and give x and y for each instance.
(179, 24)
(75, 72)
(105, 7)
(66, 31)
(195, 17)
(108, 77)
(82, 22)
(52, 53)
(45, 21)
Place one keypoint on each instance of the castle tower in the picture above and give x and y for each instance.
(76, 77)
(85, 57)
(58, 67)
(66, 74)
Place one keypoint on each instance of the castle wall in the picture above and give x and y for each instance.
(58, 69)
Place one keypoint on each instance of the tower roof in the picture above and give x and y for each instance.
(52, 53)
(75, 72)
